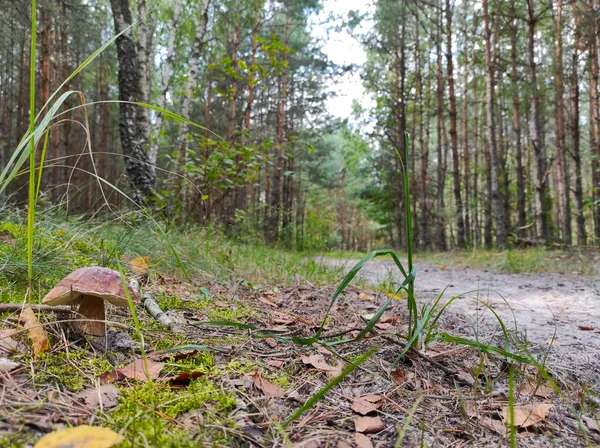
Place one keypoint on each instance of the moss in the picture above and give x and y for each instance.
(71, 370)
(145, 414)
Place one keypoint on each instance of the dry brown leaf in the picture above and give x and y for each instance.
(80, 437)
(265, 386)
(275, 303)
(465, 377)
(585, 328)
(135, 371)
(592, 424)
(8, 238)
(39, 339)
(399, 376)
(368, 424)
(528, 415)
(362, 441)
(275, 363)
(271, 342)
(103, 397)
(139, 265)
(366, 404)
(495, 425)
(319, 363)
(471, 408)
(535, 390)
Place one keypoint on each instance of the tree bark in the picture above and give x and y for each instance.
(562, 167)
(164, 83)
(496, 200)
(441, 171)
(576, 132)
(460, 223)
(535, 134)
(516, 120)
(192, 79)
(133, 128)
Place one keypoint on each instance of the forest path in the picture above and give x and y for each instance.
(544, 306)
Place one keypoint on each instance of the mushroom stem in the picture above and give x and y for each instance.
(91, 308)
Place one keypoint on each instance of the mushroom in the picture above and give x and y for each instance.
(88, 288)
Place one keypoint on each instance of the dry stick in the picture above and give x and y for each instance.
(10, 307)
(152, 307)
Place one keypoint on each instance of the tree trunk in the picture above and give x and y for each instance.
(535, 130)
(562, 167)
(460, 223)
(576, 133)
(164, 83)
(441, 171)
(192, 80)
(133, 128)
(516, 119)
(496, 200)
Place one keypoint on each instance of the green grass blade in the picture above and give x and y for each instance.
(329, 386)
(31, 207)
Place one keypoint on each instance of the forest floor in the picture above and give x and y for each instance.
(222, 385)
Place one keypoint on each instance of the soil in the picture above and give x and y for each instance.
(557, 314)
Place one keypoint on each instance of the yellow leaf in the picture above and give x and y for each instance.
(80, 437)
(139, 265)
(394, 296)
(39, 339)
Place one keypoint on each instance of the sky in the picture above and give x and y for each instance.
(343, 49)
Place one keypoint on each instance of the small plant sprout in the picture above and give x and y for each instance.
(87, 289)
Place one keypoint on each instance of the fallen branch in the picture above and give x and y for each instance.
(152, 307)
(17, 307)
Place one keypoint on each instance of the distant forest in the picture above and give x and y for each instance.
(497, 100)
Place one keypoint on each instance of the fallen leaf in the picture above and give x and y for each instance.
(528, 415)
(80, 437)
(139, 265)
(269, 301)
(585, 328)
(394, 296)
(134, 371)
(265, 386)
(366, 404)
(465, 377)
(39, 339)
(7, 343)
(6, 365)
(592, 424)
(536, 390)
(399, 377)
(495, 425)
(275, 363)
(183, 377)
(362, 441)
(364, 296)
(471, 409)
(103, 397)
(442, 268)
(271, 342)
(319, 363)
(368, 424)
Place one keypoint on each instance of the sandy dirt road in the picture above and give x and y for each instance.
(556, 311)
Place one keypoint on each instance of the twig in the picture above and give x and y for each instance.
(153, 309)
(4, 307)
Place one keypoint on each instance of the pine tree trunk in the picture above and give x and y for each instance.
(460, 223)
(516, 119)
(496, 200)
(562, 167)
(535, 130)
(441, 169)
(576, 133)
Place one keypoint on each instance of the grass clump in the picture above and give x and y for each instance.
(532, 260)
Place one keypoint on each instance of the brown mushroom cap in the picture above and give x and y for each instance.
(94, 281)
